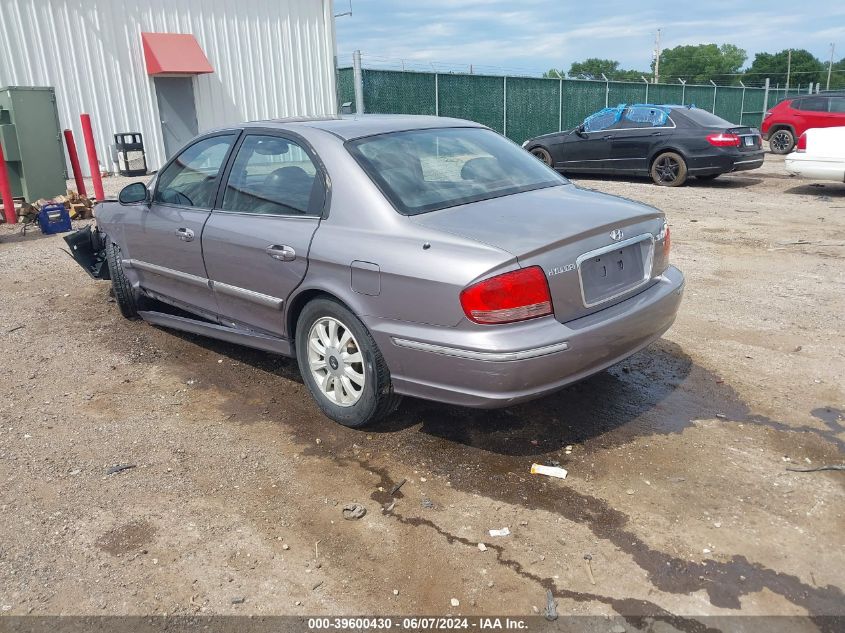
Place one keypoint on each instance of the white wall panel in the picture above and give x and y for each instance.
(271, 58)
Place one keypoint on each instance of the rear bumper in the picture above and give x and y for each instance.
(498, 366)
(804, 166)
(724, 163)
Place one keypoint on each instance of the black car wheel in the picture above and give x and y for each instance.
(543, 154)
(782, 141)
(342, 366)
(127, 298)
(669, 170)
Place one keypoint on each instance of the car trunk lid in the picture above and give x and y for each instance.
(749, 138)
(595, 249)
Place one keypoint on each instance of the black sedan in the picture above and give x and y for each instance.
(667, 142)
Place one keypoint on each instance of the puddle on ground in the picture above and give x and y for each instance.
(657, 391)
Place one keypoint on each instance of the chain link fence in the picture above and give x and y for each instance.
(523, 107)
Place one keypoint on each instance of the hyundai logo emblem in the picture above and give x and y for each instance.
(616, 235)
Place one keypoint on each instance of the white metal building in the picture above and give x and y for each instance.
(237, 60)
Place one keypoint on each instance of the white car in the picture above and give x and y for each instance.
(819, 155)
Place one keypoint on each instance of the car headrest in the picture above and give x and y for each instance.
(484, 168)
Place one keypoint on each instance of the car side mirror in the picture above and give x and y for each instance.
(135, 193)
(579, 131)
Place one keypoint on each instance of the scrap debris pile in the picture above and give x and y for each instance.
(79, 207)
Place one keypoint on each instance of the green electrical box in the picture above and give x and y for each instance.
(32, 142)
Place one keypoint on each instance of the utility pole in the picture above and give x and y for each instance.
(657, 57)
(829, 67)
(788, 69)
(358, 81)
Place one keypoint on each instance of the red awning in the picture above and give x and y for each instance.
(174, 53)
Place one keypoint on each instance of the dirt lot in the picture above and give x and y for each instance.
(678, 485)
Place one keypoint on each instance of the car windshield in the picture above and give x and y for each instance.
(426, 170)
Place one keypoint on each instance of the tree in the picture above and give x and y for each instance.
(700, 63)
(837, 76)
(593, 68)
(804, 68)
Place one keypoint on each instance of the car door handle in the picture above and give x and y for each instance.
(656, 133)
(186, 235)
(607, 137)
(281, 252)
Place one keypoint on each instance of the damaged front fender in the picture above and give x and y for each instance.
(88, 248)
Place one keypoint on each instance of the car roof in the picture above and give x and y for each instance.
(349, 127)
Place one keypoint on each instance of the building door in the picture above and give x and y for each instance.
(177, 111)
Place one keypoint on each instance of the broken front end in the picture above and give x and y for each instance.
(88, 248)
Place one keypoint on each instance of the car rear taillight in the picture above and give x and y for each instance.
(723, 139)
(515, 296)
(801, 146)
(665, 236)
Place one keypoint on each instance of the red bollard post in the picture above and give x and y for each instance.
(6, 191)
(93, 163)
(74, 163)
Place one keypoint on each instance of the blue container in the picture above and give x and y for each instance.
(54, 218)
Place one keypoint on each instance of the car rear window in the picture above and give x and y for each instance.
(426, 170)
(705, 118)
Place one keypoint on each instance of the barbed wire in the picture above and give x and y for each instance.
(381, 62)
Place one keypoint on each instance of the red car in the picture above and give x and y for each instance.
(789, 119)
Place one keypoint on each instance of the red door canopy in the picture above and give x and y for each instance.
(174, 53)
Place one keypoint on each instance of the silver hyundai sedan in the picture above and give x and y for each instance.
(390, 255)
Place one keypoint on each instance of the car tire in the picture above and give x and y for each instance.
(781, 141)
(669, 169)
(125, 296)
(708, 177)
(542, 154)
(366, 396)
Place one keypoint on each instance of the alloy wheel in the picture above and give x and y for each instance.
(667, 169)
(780, 141)
(336, 362)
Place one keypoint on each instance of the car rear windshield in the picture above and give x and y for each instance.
(705, 118)
(426, 170)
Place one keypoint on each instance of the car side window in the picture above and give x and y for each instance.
(191, 179)
(837, 105)
(271, 176)
(812, 104)
(602, 120)
(642, 116)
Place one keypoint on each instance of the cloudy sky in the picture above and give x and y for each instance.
(531, 36)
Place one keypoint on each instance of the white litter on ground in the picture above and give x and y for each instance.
(551, 471)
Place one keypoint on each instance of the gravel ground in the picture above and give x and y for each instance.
(677, 487)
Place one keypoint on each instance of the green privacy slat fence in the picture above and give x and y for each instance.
(729, 104)
(580, 99)
(345, 87)
(478, 98)
(532, 107)
(752, 109)
(399, 92)
(665, 93)
(622, 92)
(523, 107)
(699, 96)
